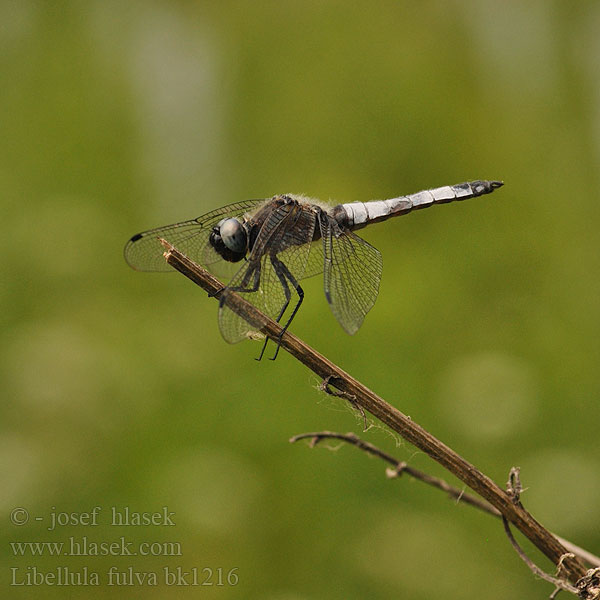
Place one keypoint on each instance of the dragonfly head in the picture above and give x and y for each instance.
(229, 239)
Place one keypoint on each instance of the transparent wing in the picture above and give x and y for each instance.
(351, 276)
(143, 252)
(257, 283)
(262, 281)
(314, 263)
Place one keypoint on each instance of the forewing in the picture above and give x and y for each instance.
(143, 252)
(314, 262)
(295, 245)
(351, 276)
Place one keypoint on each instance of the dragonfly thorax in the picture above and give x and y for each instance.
(229, 239)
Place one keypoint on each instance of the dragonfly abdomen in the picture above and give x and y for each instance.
(358, 214)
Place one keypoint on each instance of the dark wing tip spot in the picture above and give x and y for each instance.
(136, 237)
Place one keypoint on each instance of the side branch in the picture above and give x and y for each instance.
(379, 408)
(399, 467)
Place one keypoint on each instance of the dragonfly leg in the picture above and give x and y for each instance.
(216, 292)
(288, 297)
(285, 275)
(243, 287)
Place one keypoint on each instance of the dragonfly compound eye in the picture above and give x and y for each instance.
(233, 235)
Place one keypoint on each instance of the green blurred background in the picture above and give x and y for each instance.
(117, 388)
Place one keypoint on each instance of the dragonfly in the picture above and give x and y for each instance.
(264, 248)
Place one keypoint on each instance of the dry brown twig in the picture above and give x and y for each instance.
(391, 416)
(398, 467)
